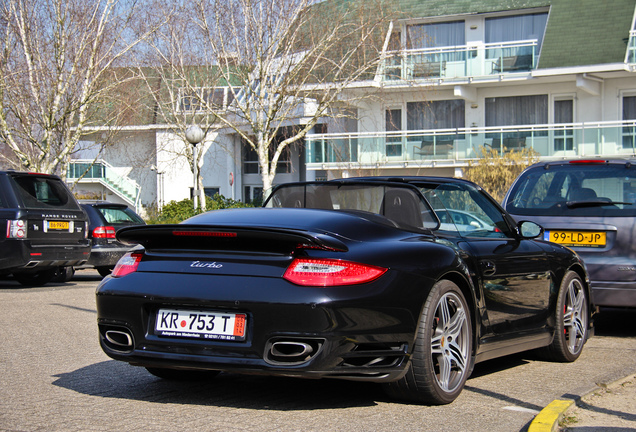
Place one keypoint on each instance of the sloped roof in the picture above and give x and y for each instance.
(578, 33)
(586, 32)
(434, 8)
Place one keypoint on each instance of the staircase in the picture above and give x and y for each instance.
(99, 171)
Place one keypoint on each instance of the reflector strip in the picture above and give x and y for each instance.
(204, 233)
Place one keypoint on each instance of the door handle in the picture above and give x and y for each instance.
(488, 268)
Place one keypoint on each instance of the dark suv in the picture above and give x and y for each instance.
(590, 206)
(45, 228)
(104, 219)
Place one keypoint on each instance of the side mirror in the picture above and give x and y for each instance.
(529, 229)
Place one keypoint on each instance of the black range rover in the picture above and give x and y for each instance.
(45, 228)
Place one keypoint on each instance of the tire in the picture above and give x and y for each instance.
(441, 358)
(64, 274)
(104, 271)
(182, 374)
(35, 278)
(572, 320)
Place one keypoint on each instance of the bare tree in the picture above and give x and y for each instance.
(289, 63)
(185, 90)
(57, 69)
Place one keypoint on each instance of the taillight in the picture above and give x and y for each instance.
(588, 161)
(330, 272)
(191, 233)
(107, 232)
(127, 264)
(16, 229)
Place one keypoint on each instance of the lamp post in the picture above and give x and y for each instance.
(160, 191)
(194, 135)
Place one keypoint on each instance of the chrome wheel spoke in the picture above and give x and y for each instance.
(456, 325)
(574, 314)
(436, 343)
(449, 344)
(445, 369)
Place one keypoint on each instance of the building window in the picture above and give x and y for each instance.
(393, 123)
(435, 35)
(517, 110)
(629, 113)
(516, 28)
(250, 159)
(515, 57)
(253, 194)
(211, 191)
(563, 135)
(444, 114)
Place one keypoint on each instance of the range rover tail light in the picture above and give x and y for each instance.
(16, 229)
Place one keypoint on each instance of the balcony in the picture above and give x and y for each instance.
(483, 61)
(88, 171)
(458, 146)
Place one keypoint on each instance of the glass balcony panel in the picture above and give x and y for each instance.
(604, 139)
(460, 61)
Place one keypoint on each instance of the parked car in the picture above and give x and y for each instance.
(463, 220)
(45, 228)
(351, 279)
(589, 206)
(104, 219)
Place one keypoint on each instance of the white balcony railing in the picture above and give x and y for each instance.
(605, 139)
(482, 60)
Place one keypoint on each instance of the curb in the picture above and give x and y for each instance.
(548, 418)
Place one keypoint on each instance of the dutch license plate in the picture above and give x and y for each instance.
(58, 225)
(577, 238)
(200, 324)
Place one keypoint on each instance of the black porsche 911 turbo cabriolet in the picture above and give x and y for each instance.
(359, 279)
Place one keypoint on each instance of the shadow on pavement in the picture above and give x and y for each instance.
(615, 322)
(113, 379)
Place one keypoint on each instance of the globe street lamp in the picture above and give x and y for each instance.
(194, 135)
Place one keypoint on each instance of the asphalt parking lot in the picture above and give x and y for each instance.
(55, 377)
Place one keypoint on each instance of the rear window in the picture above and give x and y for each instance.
(402, 204)
(44, 193)
(575, 190)
(118, 215)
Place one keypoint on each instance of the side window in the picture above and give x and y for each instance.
(466, 211)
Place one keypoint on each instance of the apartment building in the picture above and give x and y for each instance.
(554, 76)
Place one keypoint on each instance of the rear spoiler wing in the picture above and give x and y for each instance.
(223, 237)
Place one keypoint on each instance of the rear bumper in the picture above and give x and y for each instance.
(22, 255)
(614, 294)
(107, 255)
(357, 333)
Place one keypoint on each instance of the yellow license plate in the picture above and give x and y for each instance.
(58, 225)
(577, 238)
